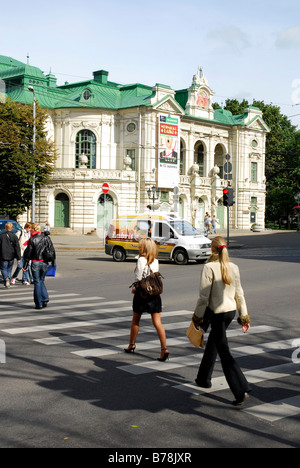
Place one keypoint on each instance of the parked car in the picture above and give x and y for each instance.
(16, 226)
(256, 228)
(177, 240)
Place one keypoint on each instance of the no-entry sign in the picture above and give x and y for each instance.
(105, 187)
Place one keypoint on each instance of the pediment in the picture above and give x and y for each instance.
(257, 123)
(169, 105)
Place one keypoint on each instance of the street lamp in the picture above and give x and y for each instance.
(31, 89)
(297, 198)
(153, 194)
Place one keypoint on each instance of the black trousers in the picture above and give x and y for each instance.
(217, 344)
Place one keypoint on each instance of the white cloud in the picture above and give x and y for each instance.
(290, 38)
(231, 38)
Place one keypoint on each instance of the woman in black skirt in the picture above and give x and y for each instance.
(147, 260)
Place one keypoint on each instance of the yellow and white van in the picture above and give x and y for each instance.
(177, 240)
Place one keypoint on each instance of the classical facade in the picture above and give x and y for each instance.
(135, 137)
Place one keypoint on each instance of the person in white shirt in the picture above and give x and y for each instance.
(220, 295)
(147, 260)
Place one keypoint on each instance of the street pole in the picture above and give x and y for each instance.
(297, 198)
(31, 89)
(227, 226)
(104, 218)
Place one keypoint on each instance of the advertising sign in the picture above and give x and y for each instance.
(169, 152)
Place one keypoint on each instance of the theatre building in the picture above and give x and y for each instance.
(135, 137)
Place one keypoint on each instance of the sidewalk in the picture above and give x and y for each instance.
(77, 242)
(93, 242)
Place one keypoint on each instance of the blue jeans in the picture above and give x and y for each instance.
(40, 293)
(6, 267)
(26, 273)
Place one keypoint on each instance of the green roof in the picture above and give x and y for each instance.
(95, 93)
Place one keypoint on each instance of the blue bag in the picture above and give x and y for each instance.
(51, 270)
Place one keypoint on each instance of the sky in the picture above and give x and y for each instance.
(248, 50)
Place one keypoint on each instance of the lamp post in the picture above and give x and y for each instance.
(153, 194)
(31, 89)
(297, 198)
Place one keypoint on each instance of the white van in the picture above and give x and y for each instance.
(177, 240)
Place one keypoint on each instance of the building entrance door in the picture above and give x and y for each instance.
(220, 214)
(62, 210)
(109, 210)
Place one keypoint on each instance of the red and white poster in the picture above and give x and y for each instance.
(169, 152)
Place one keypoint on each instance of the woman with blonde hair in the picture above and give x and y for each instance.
(220, 295)
(147, 260)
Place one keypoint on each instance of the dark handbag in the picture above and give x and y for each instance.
(49, 251)
(149, 286)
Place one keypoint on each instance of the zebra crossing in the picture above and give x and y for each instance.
(94, 319)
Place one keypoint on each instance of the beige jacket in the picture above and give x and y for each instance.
(219, 296)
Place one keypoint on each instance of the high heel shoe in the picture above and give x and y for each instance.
(165, 355)
(130, 349)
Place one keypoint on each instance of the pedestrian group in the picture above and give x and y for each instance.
(33, 257)
(220, 294)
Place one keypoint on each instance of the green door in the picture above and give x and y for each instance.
(109, 211)
(220, 214)
(62, 211)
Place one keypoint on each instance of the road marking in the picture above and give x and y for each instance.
(277, 410)
(59, 326)
(73, 313)
(114, 332)
(60, 300)
(253, 376)
(104, 351)
(99, 352)
(194, 359)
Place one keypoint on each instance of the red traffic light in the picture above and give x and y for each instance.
(228, 196)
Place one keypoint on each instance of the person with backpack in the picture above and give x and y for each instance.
(40, 251)
(9, 250)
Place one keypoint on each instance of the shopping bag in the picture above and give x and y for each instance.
(51, 270)
(195, 335)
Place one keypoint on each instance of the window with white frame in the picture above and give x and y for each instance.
(131, 154)
(85, 143)
(253, 172)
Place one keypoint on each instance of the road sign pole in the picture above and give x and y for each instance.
(105, 189)
(104, 204)
(227, 226)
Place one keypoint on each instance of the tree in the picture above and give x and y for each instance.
(19, 164)
(282, 158)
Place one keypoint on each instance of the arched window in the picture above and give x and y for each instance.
(199, 157)
(220, 159)
(182, 158)
(86, 143)
(105, 217)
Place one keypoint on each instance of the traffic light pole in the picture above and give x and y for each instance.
(227, 226)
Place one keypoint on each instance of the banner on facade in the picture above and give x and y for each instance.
(168, 152)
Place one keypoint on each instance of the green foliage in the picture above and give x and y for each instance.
(282, 158)
(19, 164)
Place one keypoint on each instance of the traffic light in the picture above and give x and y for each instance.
(231, 197)
(228, 196)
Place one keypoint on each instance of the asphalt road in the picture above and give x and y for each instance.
(55, 396)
